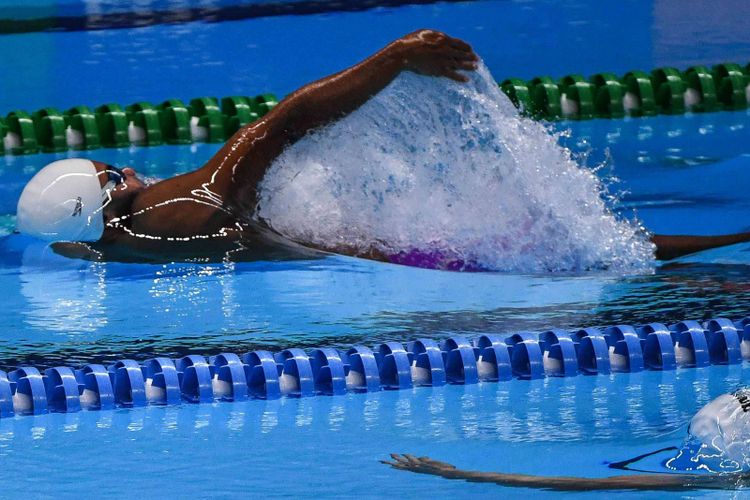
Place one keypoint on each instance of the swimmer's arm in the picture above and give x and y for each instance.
(671, 247)
(330, 98)
(670, 482)
(241, 164)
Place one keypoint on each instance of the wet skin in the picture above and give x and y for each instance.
(207, 214)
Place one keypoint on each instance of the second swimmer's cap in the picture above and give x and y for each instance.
(63, 202)
(724, 424)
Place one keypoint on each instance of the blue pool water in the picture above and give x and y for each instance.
(678, 175)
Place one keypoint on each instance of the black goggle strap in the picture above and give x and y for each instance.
(624, 464)
(115, 175)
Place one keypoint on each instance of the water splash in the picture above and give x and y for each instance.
(452, 170)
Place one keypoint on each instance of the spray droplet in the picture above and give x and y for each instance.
(453, 172)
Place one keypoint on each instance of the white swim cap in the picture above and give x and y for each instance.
(63, 202)
(724, 425)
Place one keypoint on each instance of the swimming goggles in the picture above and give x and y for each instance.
(115, 175)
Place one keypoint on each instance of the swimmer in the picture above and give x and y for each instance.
(721, 430)
(663, 482)
(96, 211)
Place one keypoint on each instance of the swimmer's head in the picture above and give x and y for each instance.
(724, 425)
(65, 201)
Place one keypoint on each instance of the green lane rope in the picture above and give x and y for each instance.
(605, 95)
(110, 125)
(207, 119)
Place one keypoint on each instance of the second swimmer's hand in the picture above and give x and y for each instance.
(433, 53)
(421, 465)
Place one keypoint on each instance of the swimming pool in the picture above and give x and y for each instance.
(683, 174)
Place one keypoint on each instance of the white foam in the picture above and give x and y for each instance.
(630, 102)
(617, 361)
(745, 349)
(89, 398)
(73, 137)
(433, 165)
(355, 379)
(155, 393)
(684, 355)
(288, 383)
(552, 366)
(420, 375)
(22, 403)
(11, 141)
(486, 370)
(136, 134)
(691, 98)
(569, 106)
(197, 133)
(221, 388)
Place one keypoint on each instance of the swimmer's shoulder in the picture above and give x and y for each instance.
(180, 207)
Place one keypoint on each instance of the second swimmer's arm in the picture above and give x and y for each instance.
(665, 482)
(243, 161)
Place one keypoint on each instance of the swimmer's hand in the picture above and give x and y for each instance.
(433, 53)
(420, 465)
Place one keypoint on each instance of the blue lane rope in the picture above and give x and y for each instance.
(327, 371)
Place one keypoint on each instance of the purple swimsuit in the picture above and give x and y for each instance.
(434, 259)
